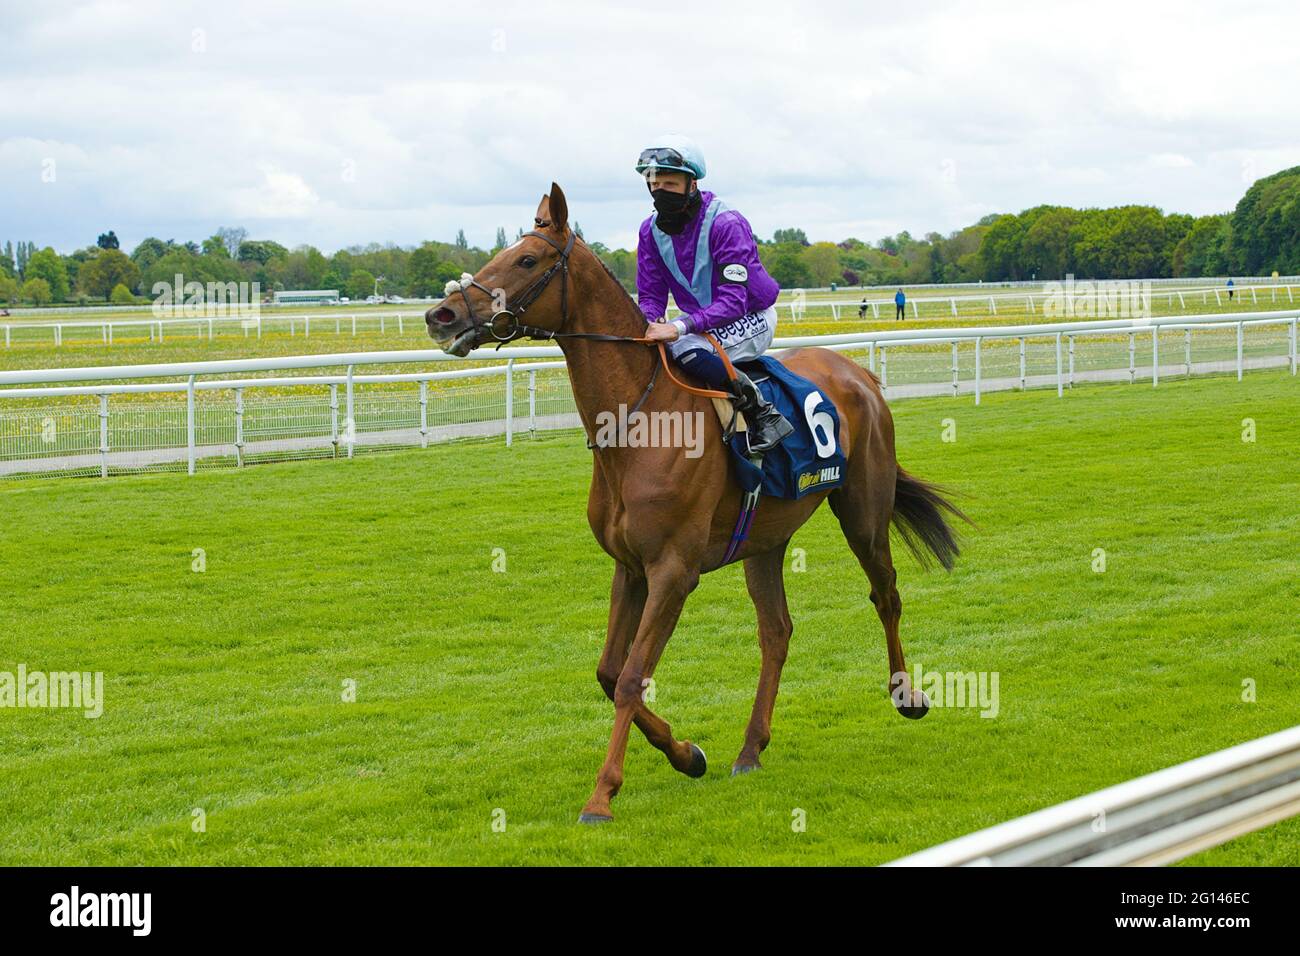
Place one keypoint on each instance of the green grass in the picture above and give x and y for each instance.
(476, 690)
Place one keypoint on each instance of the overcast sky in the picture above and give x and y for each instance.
(395, 122)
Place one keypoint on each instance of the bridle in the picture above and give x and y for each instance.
(511, 312)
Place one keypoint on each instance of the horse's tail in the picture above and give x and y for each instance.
(919, 517)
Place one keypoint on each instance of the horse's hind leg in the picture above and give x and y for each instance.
(864, 517)
(764, 579)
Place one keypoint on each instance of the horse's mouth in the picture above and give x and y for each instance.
(462, 344)
(456, 335)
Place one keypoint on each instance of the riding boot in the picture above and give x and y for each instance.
(767, 427)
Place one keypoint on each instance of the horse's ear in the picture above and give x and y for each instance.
(559, 208)
(543, 209)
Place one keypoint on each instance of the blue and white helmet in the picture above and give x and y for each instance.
(674, 153)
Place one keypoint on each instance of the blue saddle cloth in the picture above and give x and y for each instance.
(809, 459)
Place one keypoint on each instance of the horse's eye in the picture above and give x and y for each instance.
(528, 262)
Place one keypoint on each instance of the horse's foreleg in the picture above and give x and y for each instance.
(765, 581)
(627, 602)
(667, 586)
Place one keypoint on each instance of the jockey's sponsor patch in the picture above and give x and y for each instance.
(735, 273)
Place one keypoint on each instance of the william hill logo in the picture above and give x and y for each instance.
(811, 479)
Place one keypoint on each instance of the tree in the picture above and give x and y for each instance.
(233, 237)
(8, 289)
(823, 262)
(360, 284)
(148, 252)
(47, 265)
(37, 291)
(1266, 226)
(784, 263)
(1203, 251)
(501, 239)
(461, 241)
(215, 246)
(790, 235)
(108, 270)
(107, 240)
(122, 295)
(261, 251)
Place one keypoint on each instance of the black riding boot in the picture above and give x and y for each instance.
(767, 427)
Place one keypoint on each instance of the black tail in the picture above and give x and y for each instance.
(919, 517)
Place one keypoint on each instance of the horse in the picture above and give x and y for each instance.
(665, 517)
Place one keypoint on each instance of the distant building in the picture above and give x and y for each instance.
(307, 297)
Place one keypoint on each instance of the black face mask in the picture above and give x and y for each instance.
(675, 209)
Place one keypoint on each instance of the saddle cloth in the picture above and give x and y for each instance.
(809, 459)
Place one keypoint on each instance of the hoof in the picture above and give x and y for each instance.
(594, 818)
(916, 711)
(742, 768)
(699, 763)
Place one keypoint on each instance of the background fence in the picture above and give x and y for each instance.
(187, 416)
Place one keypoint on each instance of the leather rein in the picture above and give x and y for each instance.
(516, 330)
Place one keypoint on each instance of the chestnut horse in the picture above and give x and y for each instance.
(666, 518)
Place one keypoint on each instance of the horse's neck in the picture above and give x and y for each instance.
(605, 375)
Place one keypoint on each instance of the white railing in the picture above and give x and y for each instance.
(922, 361)
(249, 323)
(1153, 820)
(1131, 297)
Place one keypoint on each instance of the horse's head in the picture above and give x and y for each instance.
(518, 278)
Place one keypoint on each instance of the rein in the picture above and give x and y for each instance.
(516, 330)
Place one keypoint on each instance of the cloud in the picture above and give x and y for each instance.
(402, 122)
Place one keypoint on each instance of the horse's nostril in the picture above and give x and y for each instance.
(441, 316)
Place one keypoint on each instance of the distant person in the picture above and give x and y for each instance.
(862, 309)
(1229, 290)
(900, 300)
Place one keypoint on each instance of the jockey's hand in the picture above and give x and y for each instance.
(662, 332)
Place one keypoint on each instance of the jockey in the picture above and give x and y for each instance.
(728, 292)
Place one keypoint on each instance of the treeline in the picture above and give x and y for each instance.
(1049, 242)
(1045, 242)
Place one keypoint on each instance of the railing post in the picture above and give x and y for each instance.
(354, 325)
(510, 402)
(209, 330)
(884, 368)
(871, 355)
(1132, 357)
(1239, 363)
(424, 414)
(955, 373)
(350, 424)
(103, 436)
(1155, 356)
(1293, 345)
(400, 329)
(1060, 388)
(306, 327)
(532, 402)
(1022, 364)
(239, 428)
(334, 417)
(978, 340)
(1071, 379)
(1187, 351)
(916, 312)
(381, 323)
(189, 427)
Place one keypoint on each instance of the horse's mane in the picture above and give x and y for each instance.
(613, 278)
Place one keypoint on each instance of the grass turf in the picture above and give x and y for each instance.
(475, 693)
